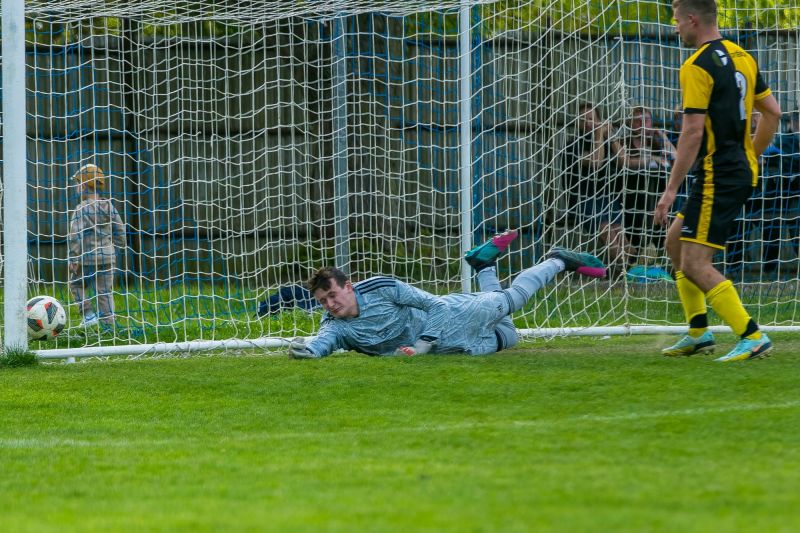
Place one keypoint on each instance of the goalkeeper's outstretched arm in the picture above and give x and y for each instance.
(325, 343)
(299, 350)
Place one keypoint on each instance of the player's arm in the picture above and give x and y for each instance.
(668, 150)
(618, 151)
(696, 86)
(592, 158)
(576, 154)
(630, 161)
(74, 236)
(436, 308)
(117, 229)
(689, 144)
(768, 125)
(325, 343)
(599, 139)
(688, 147)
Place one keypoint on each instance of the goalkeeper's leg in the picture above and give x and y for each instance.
(487, 280)
(558, 259)
(504, 330)
(522, 289)
(529, 281)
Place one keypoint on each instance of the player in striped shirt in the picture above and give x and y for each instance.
(721, 85)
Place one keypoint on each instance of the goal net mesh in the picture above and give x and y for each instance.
(248, 143)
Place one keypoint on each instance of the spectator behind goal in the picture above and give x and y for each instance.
(590, 163)
(648, 156)
(96, 232)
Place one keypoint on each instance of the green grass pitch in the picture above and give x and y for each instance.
(581, 434)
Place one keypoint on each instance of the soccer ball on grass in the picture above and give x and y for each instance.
(45, 316)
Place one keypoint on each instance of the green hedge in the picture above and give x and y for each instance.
(614, 17)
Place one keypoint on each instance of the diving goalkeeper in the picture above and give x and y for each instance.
(384, 316)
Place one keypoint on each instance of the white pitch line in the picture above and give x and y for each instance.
(54, 442)
(688, 412)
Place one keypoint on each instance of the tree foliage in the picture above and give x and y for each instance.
(610, 17)
(590, 17)
(759, 14)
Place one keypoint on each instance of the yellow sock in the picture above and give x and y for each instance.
(724, 300)
(693, 300)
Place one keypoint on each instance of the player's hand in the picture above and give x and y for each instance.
(661, 215)
(420, 347)
(298, 350)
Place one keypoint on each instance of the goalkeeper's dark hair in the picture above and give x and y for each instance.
(322, 279)
(705, 9)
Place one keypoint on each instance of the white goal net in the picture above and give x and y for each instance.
(246, 144)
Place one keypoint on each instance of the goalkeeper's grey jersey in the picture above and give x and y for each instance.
(394, 314)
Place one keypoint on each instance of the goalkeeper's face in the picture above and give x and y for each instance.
(339, 301)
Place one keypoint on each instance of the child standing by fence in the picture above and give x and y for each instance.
(96, 232)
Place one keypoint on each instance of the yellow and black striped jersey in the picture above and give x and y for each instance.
(722, 80)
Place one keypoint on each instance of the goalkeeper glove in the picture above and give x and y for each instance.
(420, 347)
(298, 350)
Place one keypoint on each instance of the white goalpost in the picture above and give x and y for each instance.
(246, 144)
(14, 182)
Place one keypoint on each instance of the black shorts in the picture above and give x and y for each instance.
(711, 209)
